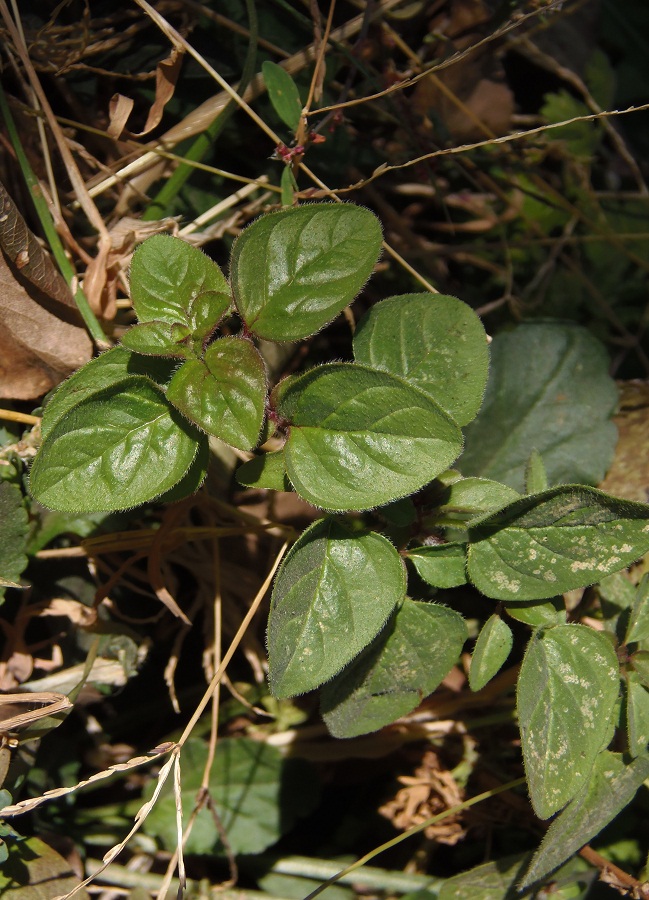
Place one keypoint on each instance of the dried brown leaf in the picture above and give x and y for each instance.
(41, 338)
(166, 76)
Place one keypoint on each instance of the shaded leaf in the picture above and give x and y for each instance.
(406, 662)
(266, 471)
(637, 715)
(549, 390)
(553, 542)
(224, 393)
(333, 594)
(640, 663)
(294, 270)
(259, 796)
(612, 785)
(283, 94)
(360, 438)
(499, 880)
(440, 565)
(120, 447)
(168, 276)
(567, 689)
(538, 613)
(492, 648)
(638, 629)
(13, 535)
(34, 871)
(466, 498)
(435, 343)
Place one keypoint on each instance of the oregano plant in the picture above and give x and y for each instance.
(371, 443)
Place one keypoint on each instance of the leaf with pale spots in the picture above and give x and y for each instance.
(405, 663)
(555, 541)
(334, 593)
(567, 690)
(612, 785)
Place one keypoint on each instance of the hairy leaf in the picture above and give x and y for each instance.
(567, 689)
(258, 794)
(360, 438)
(168, 275)
(333, 594)
(160, 339)
(492, 648)
(434, 342)
(553, 542)
(405, 663)
(549, 390)
(440, 565)
(612, 785)
(107, 369)
(120, 447)
(294, 270)
(538, 613)
(225, 393)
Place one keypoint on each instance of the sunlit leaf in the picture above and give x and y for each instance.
(118, 448)
(360, 438)
(435, 343)
(294, 270)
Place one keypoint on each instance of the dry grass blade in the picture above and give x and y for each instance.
(46, 703)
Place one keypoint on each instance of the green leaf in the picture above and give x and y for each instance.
(225, 393)
(258, 795)
(120, 447)
(333, 594)
(34, 871)
(567, 689)
(435, 343)
(494, 880)
(612, 785)
(466, 498)
(108, 369)
(13, 534)
(294, 270)
(549, 543)
(640, 663)
(406, 662)
(288, 184)
(492, 648)
(549, 390)
(194, 477)
(267, 471)
(283, 94)
(637, 715)
(159, 339)
(536, 478)
(538, 613)
(205, 312)
(638, 629)
(360, 438)
(168, 275)
(440, 565)
(499, 880)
